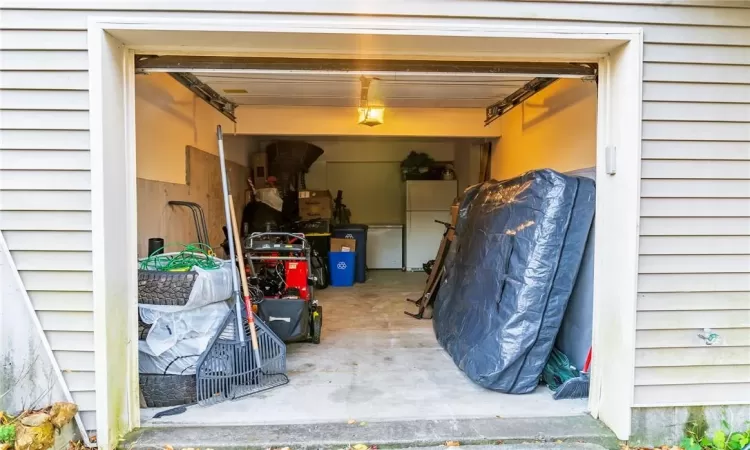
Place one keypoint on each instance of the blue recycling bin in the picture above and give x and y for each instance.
(341, 266)
(359, 234)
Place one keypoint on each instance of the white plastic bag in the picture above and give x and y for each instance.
(169, 328)
(178, 360)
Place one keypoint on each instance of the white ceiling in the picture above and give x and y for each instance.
(342, 89)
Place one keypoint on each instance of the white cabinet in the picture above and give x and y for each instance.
(385, 248)
(426, 201)
(423, 236)
(430, 195)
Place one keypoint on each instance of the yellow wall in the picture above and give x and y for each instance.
(339, 121)
(168, 117)
(555, 129)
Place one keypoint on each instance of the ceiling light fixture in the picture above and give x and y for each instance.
(371, 108)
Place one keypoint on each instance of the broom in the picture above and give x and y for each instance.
(577, 386)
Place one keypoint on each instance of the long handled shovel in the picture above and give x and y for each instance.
(243, 278)
(235, 245)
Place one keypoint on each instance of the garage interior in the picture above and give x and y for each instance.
(373, 363)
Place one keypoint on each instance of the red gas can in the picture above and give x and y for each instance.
(296, 277)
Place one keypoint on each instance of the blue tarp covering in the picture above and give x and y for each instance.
(509, 274)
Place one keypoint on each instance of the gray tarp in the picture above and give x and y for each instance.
(509, 275)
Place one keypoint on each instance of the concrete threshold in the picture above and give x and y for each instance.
(537, 432)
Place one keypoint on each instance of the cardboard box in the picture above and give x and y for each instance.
(315, 205)
(316, 227)
(260, 169)
(343, 245)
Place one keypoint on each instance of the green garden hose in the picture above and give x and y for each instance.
(191, 255)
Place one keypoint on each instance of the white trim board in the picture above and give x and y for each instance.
(618, 50)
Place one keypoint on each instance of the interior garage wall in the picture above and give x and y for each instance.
(169, 117)
(176, 159)
(340, 121)
(555, 129)
(368, 170)
(466, 163)
(695, 221)
(175, 224)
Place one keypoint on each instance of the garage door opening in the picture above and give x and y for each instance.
(374, 362)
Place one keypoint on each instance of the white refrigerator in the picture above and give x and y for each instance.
(426, 201)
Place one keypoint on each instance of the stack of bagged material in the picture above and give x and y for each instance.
(179, 313)
(509, 275)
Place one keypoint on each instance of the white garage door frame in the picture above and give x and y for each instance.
(114, 40)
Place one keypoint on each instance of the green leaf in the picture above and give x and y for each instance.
(706, 442)
(725, 425)
(744, 440)
(720, 440)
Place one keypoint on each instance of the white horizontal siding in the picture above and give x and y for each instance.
(53, 60)
(70, 360)
(681, 338)
(29, 99)
(62, 80)
(690, 301)
(695, 92)
(47, 180)
(48, 240)
(695, 116)
(43, 40)
(701, 112)
(47, 260)
(20, 200)
(86, 400)
(67, 320)
(694, 264)
(691, 375)
(694, 282)
(696, 207)
(710, 188)
(672, 320)
(79, 380)
(45, 160)
(45, 220)
(695, 245)
(694, 226)
(62, 301)
(696, 73)
(44, 120)
(704, 356)
(695, 150)
(538, 10)
(44, 140)
(697, 131)
(687, 169)
(701, 393)
(36, 280)
(703, 54)
(79, 341)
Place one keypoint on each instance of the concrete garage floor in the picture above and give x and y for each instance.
(374, 364)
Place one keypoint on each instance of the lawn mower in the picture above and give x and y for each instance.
(281, 285)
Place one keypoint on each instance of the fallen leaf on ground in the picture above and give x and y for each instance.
(360, 447)
(62, 413)
(558, 441)
(168, 447)
(351, 422)
(361, 424)
(452, 444)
